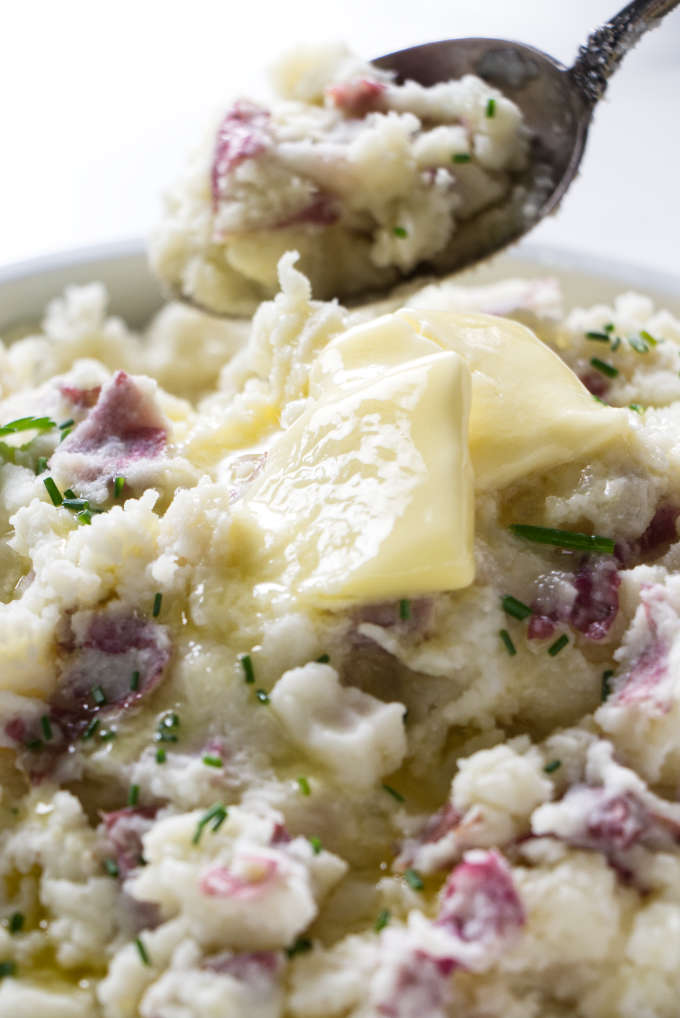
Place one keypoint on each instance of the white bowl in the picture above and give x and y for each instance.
(25, 288)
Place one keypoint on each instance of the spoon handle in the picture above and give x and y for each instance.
(606, 46)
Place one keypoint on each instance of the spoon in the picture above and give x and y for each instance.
(557, 103)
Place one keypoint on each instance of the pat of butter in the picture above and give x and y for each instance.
(529, 411)
(368, 495)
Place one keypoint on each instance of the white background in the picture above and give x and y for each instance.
(99, 103)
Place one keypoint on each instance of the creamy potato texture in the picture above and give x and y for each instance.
(338, 659)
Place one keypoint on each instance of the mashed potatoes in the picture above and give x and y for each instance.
(338, 660)
(365, 177)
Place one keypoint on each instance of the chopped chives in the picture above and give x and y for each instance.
(323, 660)
(99, 696)
(648, 338)
(27, 424)
(133, 795)
(301, 945)
(507, 640)
(216, 816)
(67, 424)
(41, 466)
(212, 761)
(491, 108)
(166, 730)
(34, 745)
(559, 644)
(606, 683)
(600, 337)
(109, 734)
(118, 485)
(247, 666)
(635, 407)
(382, 920)
(316, 844)
(141, 950)
(551, 767)
(564, 538)
(160, 755)
(7, 968)
(414, 879)
(157, 602)
(111, 867)
(84, 516)
(304, 786)
(46, 726)
(91, 728)
(461, 157)
(53, 491)
(399, 231)
(616, 343)
(604, 367)
(134, 681)
(16, 922)
(404, 609)
(518, 610)
(75, 503)
(609, 327)
(394, 793)
(262, 696)
(639, 345)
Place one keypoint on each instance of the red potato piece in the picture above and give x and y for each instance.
(243, 134)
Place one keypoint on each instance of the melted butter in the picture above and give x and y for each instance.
(368, 495)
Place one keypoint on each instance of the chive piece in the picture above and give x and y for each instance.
(34, 745)
(67, 424)
(382, 920)
(616, 343)
(600, 337)
(160, 755)
(636, 407)
(609, 327)
(648, 338)
(606, 683)
(507, 640)
(598, 400)
(134, 681)
(394, 793)
(7, 968)
(414, 880)
(133, 795)
(109, 734)
(84, 516)
(301, 945)
(75, 503)
(639, 345)
(41, 466)
(564, 538)
(53, 491)
(212, 761)
(141, 950)
(247, 666)
(399, 231)
(99, 696)
(461, 157)
(315, 842)
(157, 602)
(518, 610)
(166, 729)
(111, 867)
(604, 367)
(262, 696)
(69, 493)
(46, 726)
(551, 767)
(491, 108)
(304, 786)
(16, 922)
(559, 644)
(91, 728)
(27, 424)
(323, 660)
(404, 609)
(118, 485)
(216, 816)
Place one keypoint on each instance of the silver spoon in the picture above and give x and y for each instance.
(557, 103)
